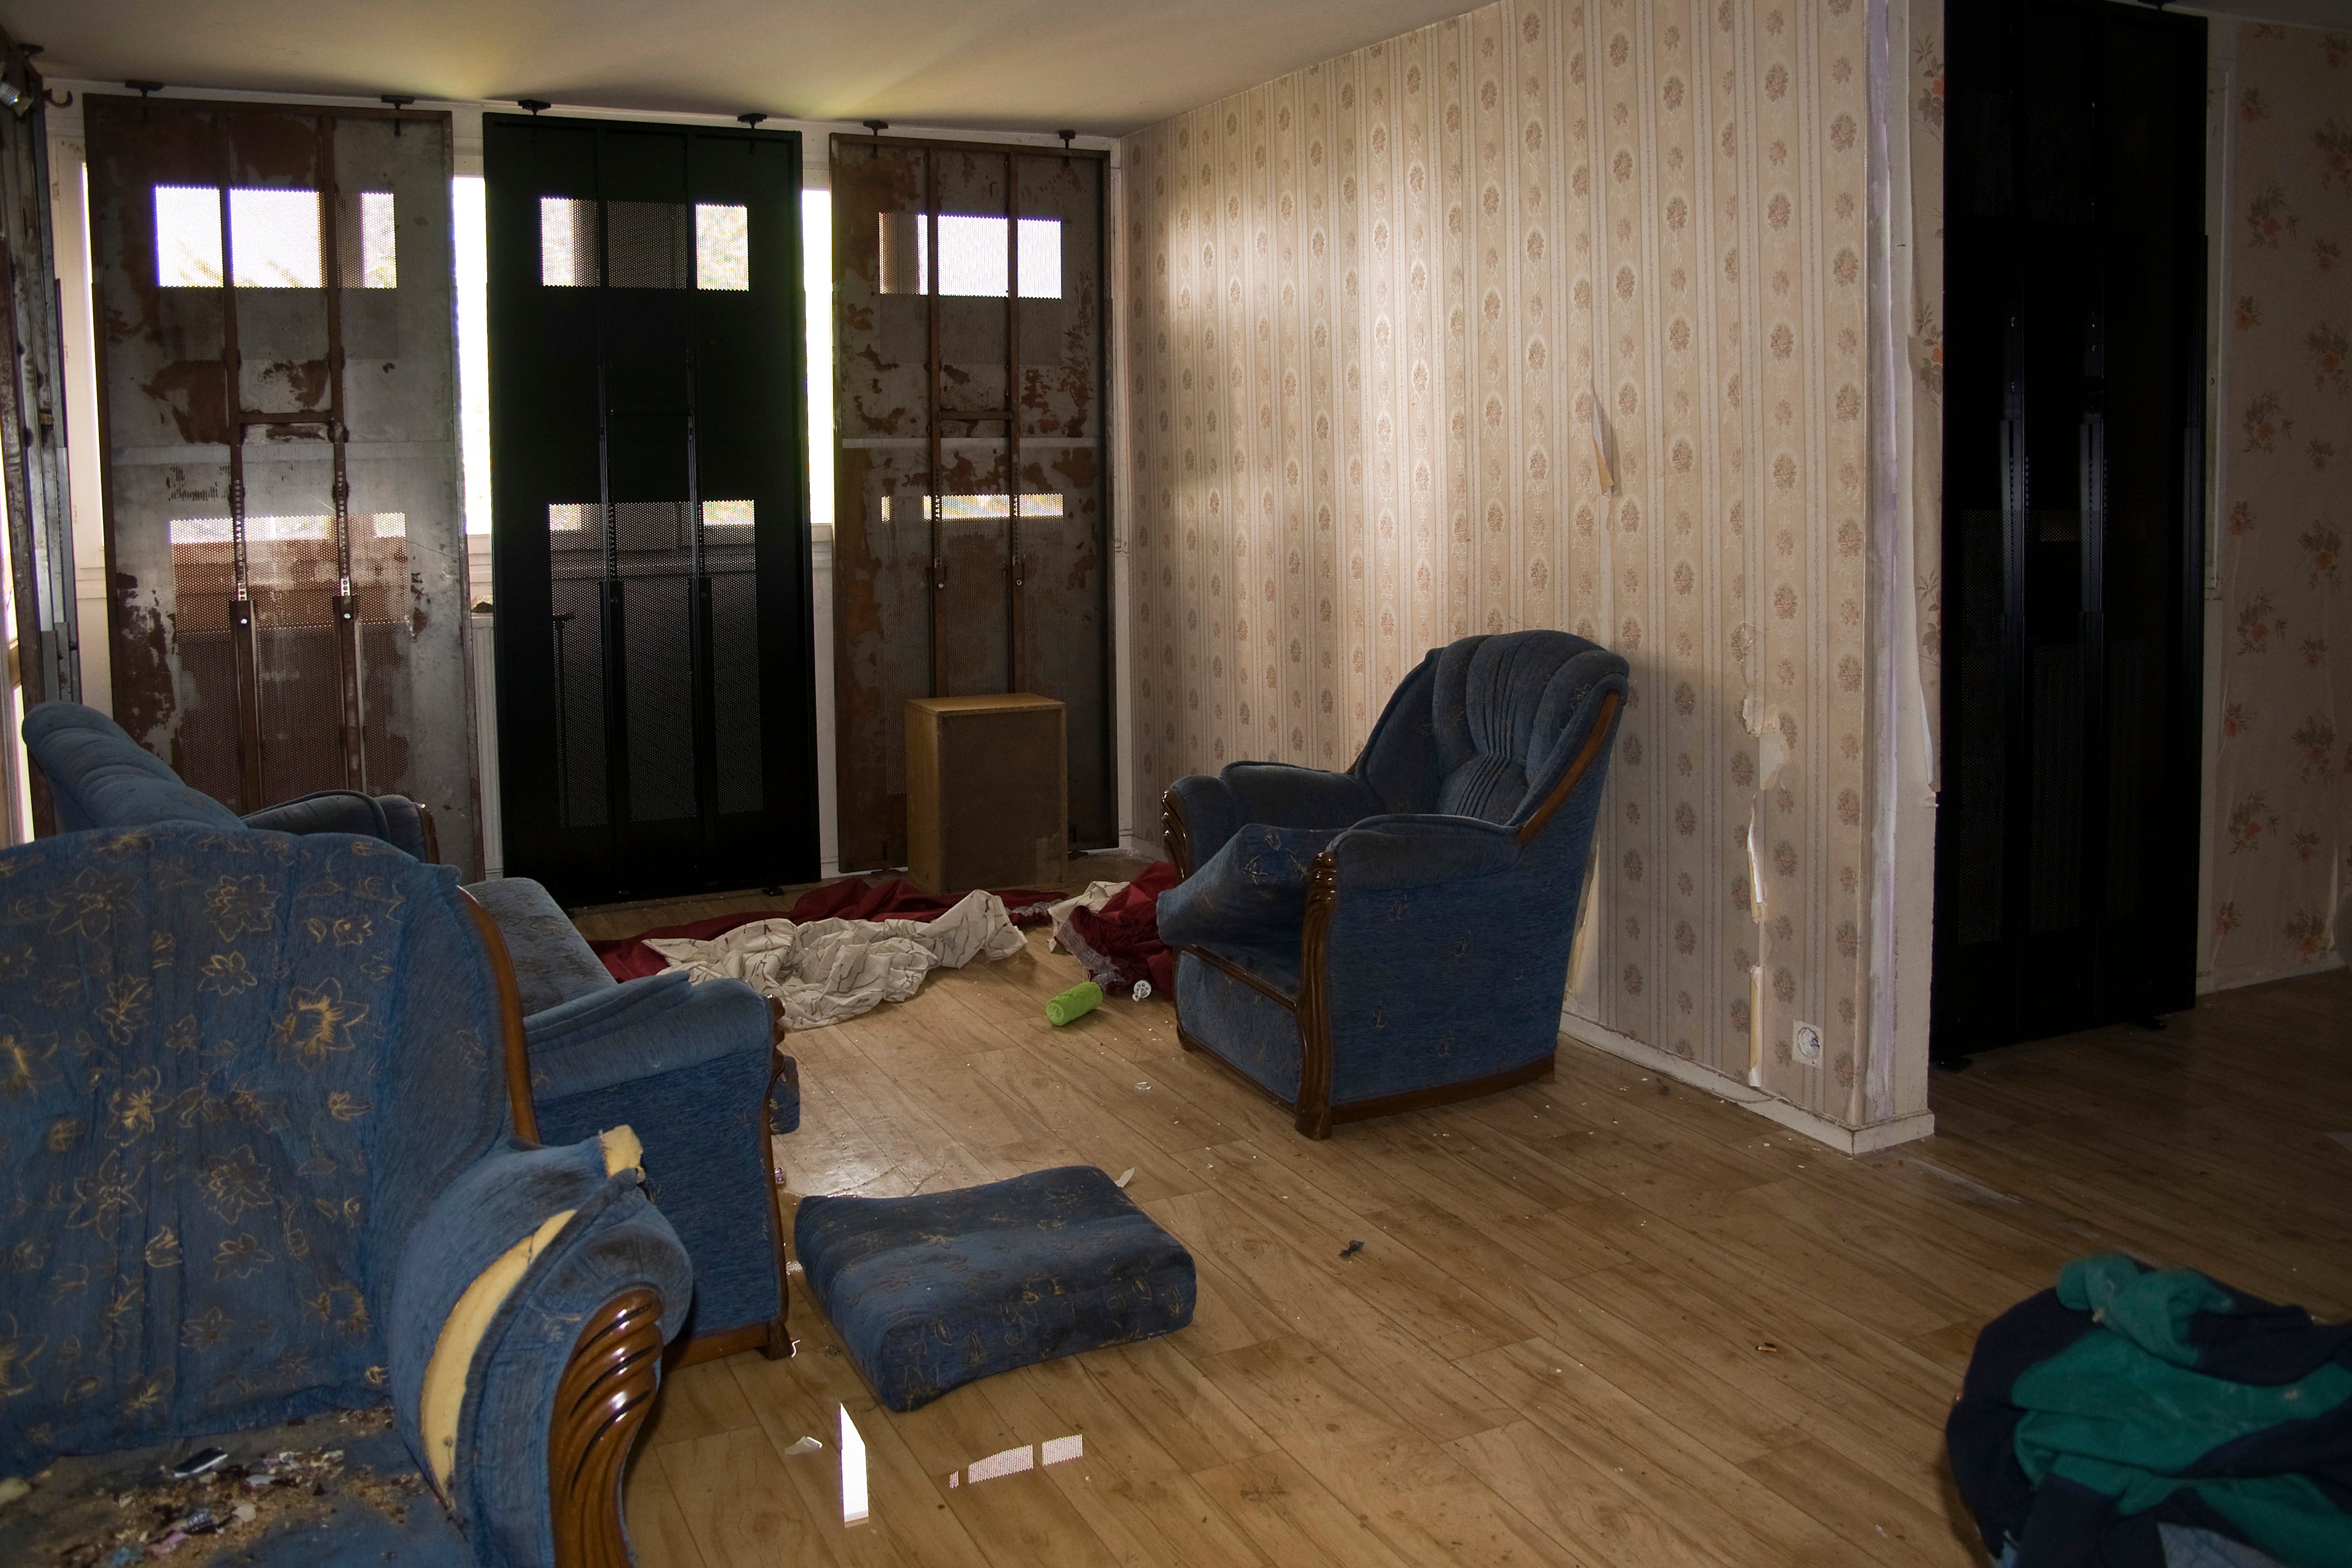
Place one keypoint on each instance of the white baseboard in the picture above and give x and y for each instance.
(1821, 1129)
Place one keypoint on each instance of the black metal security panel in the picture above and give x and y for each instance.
(2074, 520)
(657, 720)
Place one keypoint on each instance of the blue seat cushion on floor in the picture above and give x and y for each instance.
(931, 1291)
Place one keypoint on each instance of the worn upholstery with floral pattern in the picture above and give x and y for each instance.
(223, 1101)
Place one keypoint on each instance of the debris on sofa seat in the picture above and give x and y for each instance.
(119, 1509)
(833, 969)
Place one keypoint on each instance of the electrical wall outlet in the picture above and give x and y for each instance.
(1809, 1044)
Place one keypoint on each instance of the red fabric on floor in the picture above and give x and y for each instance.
(1126, 931)
(850, 899)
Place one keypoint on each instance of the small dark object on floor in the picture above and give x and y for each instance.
(1352, 1248)
(2151, 1023)
(1951, 1064)
(198, 1463)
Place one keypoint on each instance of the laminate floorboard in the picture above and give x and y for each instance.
(1605, 1321)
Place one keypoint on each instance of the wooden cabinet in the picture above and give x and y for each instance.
(987, 792)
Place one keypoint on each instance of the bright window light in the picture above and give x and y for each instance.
(973, 509)
(274, 239)
(726, 514)
(470, 234)
(853, 1471)
(567, 243)
(722, 246)
(1041, 259)
(187, 236)
(971, 256)
(389, 524)
(264, 530)
(573, 517)
(378, 243)
(816, 285)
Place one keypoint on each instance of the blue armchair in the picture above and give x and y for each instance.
(270, 1153)
(700, 1071)
(1396, 936)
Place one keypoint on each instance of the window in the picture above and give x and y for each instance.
(722, 249)
(726, 514)
(971, 256)
(648, 245)
(261, 529)
(567, 243)
(574, 517)
(973, 509)
(187, 236)
(368, 235)
(274, 237)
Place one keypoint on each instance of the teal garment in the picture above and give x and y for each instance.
(2123, 1411)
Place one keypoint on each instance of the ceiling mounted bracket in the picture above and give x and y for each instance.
(533, 104)
(398, 100)
(144, 88)
(875, 126)
(1068, 136)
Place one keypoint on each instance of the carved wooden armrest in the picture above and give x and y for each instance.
(1175, 837)
(605, 1395)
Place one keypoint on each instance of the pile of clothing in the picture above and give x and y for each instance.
(2137, 1419)
(847, 947)
(1113, 929)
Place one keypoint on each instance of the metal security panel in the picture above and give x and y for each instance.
(971, 525)
(656, 714)
(275, 356)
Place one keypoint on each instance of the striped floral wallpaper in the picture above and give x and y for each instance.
(1372, 305)
(2282, 792)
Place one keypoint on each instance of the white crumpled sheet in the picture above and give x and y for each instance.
(830, 969)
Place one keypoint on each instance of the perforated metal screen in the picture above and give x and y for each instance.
(277, 379)
(650, 531)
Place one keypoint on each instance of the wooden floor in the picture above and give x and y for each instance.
(1605, 1319)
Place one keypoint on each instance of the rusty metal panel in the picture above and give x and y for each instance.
(32, 420)
(971, 527)
(284, 546)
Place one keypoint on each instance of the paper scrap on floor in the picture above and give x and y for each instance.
(829, 970)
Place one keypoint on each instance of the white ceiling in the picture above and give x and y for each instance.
(1100, 67)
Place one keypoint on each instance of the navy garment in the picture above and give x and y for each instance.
(931, 1291)
(2112, 1420)
(1446, 960)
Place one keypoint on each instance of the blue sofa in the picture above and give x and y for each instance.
(1397, 935)
(271, 1155)
(99, 776)
(699, 1071)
